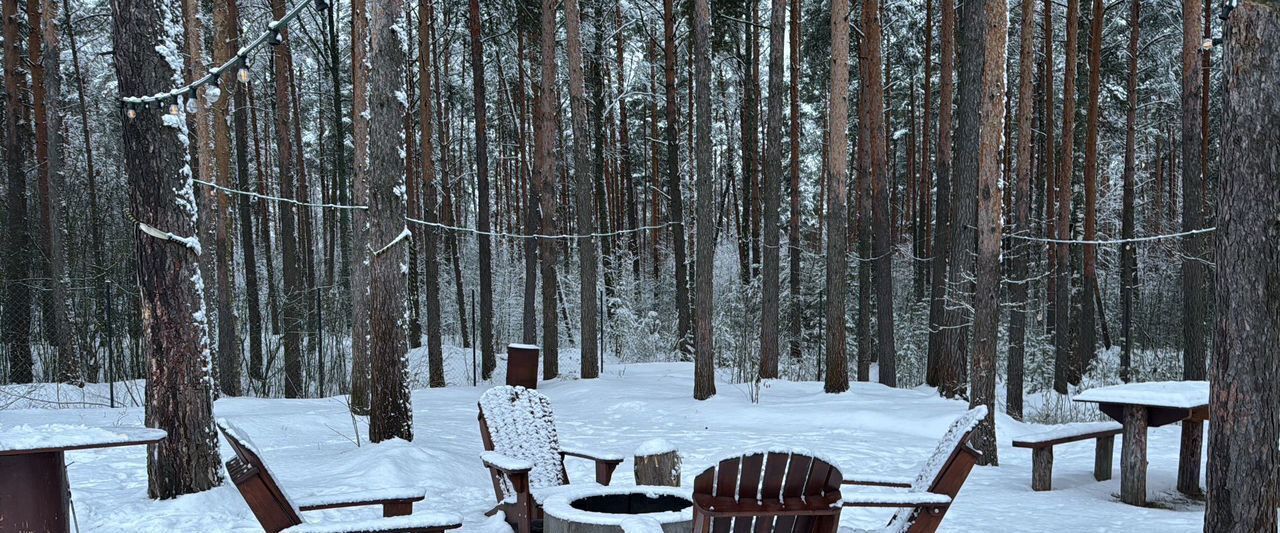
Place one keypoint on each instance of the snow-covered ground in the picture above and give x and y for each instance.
(314, 447)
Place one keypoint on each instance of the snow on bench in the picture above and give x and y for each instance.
(1042, 443)
(415, 522)
(1067, 433)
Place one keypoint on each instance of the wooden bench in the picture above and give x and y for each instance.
(1042, 444)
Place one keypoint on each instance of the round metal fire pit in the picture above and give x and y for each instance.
(618, 509)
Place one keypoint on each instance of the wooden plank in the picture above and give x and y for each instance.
(1023, 442)
(1133, 458)
(1042, 469)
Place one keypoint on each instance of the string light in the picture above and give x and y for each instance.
(174, 98)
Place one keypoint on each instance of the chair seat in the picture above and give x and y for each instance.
(540, 494)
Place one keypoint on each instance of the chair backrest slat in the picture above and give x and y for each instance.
(771, 491)
(520, 423)
(944, 472)
(259, 487)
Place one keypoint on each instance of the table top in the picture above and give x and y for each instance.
(1171, 394)
(43, 438)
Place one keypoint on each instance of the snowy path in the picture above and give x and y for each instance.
(872, 429)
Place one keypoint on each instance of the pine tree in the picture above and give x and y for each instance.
(837, 377)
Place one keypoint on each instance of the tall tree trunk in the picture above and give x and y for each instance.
(226, 37)
(47, 96)
(1066, 367)
(102, 287)
(704, 383)
(794, 246)
(294, 309)
(923, 218)
(1021, 216)
(873, 92)
(1194, 271)
(837, 377)
(390, 414)
(631, 199)
(482, 190)
(1129, 254)
(429, 236)
(18, 139)
(1242, 490)
(1050, 168)
(361, 365)
(582, 169)
(1085, 324)
(988, 23)
(175, 336)
(545, 154)
(954, 350)
(769, 305)
(940, 259)
(532, 218)
(675, 213)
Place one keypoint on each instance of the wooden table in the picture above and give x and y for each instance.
(1142, 405)
(34, 495)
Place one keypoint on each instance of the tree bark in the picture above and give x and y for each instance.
(1085, 323)
(989, 23)
(1194, 271)
(390, 413)
(837, 376)
(175, 335)
(880, 180)
(482, 191)
(770, 313)
(1129, 254)
(1021, 216)
(226, 37)
(940, 259)
(675, 200)
(429, 236)
(1242, 493)
(704, 382)
(795, 247)
(361, 366)
(582, 169)
(1066, 366)
(545, 154)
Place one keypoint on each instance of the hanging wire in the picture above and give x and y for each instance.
(1117, 241)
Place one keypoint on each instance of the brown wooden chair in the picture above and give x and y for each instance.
(524, 456)
(764, 491)
(922, 506)
(276, 512)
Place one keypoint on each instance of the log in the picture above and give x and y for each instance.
(1133, 458)
(1102, 453)
(657, 463)
(1042, 469)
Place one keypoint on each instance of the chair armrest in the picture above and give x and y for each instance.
(878, 481)
(896, 499)
(356, 499)
(505, 463)
(418, 522)
(597, 456)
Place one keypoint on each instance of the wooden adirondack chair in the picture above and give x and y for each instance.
(922, 506)
(768, 491)
(276, 512)
(524, 456)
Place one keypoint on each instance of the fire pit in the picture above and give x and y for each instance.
(618, 509)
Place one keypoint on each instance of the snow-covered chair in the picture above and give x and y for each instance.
(926, 499)
(778, 490)
(277, 513)
(524, 456)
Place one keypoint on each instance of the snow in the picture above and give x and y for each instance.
(657, 446)
(1176, 394)
(34, 437)
(885, 497)
(505, 463)
(392, 494)
(640, 524)
(519, 346)
(311, 445)
(522, 426)
(1066, 431)
(397, 523)
(560, 505)
(596, 454)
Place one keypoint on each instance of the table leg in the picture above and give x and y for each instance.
(33, 493)
(1189, 458)
(1133, 457)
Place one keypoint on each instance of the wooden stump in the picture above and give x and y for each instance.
(1102, 453)
(657, 463)
(1042, 468)
(1133, 458)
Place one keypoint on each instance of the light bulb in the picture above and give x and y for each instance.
(243, 75)
(213, 92)
(192, 105)
(174, 109)
(131, 113)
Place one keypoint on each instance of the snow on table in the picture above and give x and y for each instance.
(1174, 394)
(1067, 431)
(27, 438)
